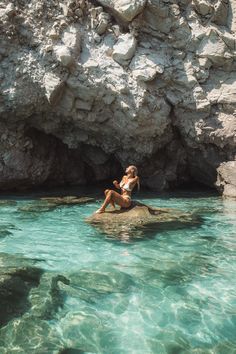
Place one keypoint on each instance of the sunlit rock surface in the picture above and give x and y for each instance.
(87, 89)
(140, 217)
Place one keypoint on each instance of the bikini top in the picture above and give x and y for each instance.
(125, 186)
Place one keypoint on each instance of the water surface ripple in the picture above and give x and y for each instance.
(174, 292)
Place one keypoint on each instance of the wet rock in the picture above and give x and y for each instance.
(7, 202)
(138, 216)
(100, 282)
(37, 207)
(71, 351)
(68, 200)
(4, 232)
(47, 298)
(28, 299)
(16, 281)
(49, 203)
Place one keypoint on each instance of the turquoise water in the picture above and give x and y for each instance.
(173, 291)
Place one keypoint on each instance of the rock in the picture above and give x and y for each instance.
(49, 203)
(225, 91)
(72, 40)
(16, 280)
(104, 281)
(124, 49)
(142, 74)
(47, 298)
(231, 20)
(83, 105)
(10, 10)
(204, 7)
(220, 15)
(146, 66)
(226, 179)
(7, 202)
(54, 87)
(125, 9)
(125, 222)
(213, 48)
(102, 23)
(156, 17)
(64, 56)
(69, 200)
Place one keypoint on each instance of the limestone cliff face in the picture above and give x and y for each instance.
(88, 87)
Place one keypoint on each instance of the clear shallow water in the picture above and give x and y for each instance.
(173, 292)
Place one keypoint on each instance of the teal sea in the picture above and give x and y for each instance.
(172, 291)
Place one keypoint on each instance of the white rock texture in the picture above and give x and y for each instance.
(125, 9)
(87, 89)
(124, 49)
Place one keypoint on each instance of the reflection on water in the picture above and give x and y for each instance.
(174, 292)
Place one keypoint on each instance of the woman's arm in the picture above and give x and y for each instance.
(134, 181)
(116, 184)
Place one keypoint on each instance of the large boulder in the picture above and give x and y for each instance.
(139, 216)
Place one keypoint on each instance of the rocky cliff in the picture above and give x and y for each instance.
(88, 87)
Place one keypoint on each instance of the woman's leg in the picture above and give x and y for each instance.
(112, 196)
(111, 202)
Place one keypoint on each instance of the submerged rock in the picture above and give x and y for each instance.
(68, 200)
(138, 216)
(29, 297)
(47, 298)
(17, 278)
(50, 203)
(7, 202)
(99, 282)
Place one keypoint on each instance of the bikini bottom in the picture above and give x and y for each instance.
(127, 197)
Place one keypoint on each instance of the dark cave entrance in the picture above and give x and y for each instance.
(49, 163)
(61, 166)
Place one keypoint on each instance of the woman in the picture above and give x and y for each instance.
(126, 186)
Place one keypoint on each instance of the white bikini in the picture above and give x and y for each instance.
(126, 187)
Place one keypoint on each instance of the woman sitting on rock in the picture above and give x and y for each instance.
(126, 186)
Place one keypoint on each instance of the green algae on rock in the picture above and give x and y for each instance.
(138, 216)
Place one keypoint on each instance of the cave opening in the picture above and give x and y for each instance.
(46, 162)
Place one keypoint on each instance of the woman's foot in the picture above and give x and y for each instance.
(100, 211)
